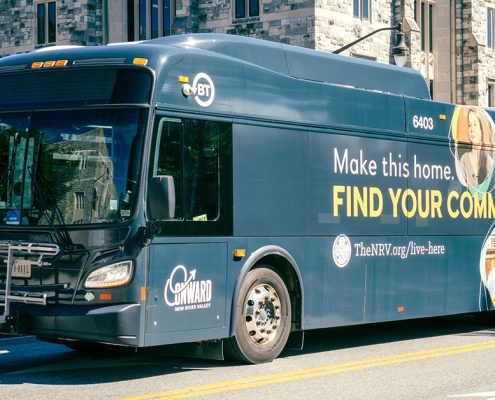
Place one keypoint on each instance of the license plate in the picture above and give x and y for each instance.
(21, 269)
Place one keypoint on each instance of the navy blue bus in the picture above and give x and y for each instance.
(233, 193)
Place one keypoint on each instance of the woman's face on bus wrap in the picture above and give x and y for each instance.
(474, 126)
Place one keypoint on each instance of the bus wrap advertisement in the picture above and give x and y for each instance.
(417, 185)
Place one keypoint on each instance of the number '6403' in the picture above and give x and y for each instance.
(422, 122)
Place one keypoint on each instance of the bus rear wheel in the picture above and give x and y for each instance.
(263, 318)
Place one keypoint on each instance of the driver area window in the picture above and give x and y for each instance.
(197, 154)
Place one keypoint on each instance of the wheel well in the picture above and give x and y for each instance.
(287, 272)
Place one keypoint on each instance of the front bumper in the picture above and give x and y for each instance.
(113, 324)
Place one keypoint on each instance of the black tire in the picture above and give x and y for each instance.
(262, 318)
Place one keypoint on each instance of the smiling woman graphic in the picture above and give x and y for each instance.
(472, 130)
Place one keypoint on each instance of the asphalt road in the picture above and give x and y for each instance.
(441, 358)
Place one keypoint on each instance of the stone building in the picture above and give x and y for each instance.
(451, 42)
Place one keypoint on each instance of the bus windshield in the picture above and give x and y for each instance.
(69, 166)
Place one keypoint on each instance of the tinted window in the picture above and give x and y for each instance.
(196, 154)
(74, 87)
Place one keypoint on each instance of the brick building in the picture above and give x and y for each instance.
(452, 42)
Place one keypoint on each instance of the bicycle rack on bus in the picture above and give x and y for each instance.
(13, 250)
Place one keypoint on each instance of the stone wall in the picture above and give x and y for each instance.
(78, 22)
(336, 27)
(16, 26)
(475, 63)
(479, 59)
(290, 22)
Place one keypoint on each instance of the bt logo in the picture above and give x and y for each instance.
(202, 88)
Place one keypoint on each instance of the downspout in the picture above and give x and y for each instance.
(105, 21)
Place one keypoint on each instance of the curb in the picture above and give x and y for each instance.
(16, 340)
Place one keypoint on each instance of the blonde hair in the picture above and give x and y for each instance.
(486, 126)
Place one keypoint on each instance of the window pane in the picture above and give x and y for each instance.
(169, 159)
(142, 19)
(130, 20)
(355, 8)
(201, 172)
(75, 88)
(240, 9)
(430, 28)
(254, 8)
(366, 9)
(52, 23)
(189, 152)
(40, 10)
(154, 19)
(166, 18)
(489, 28)
(492, 13)
(69, 166)
(422, 26)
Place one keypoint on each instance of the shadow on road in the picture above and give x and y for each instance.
(50, 364)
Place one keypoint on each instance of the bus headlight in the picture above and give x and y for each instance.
(113, 275)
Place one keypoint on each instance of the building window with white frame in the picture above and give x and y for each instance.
(46, 22)
(247, 8)
(79, 200)
(490, 27)
(361, 9)
(491, 93)
(149, 19)
(424, 18)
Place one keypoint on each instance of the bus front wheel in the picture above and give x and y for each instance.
(263, 318)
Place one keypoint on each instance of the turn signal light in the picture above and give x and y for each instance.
(239, 253)
(140, 61)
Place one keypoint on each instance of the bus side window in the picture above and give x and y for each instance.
(188, 150)
(168, 157)
(201, 171)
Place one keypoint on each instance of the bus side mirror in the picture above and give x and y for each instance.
(161, 197)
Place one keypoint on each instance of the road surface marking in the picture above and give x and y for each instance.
(264, 380)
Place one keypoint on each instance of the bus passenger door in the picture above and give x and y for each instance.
(190, 211)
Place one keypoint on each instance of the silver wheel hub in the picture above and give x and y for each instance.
(263, 314)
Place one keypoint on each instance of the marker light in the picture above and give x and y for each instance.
(443, 117)
(140, 61)
(239, 253)
(113, 275)
(49, 64)
(37, 64)
(61, 63)
(183, 79)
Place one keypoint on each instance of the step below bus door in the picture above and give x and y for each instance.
(187, 285)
